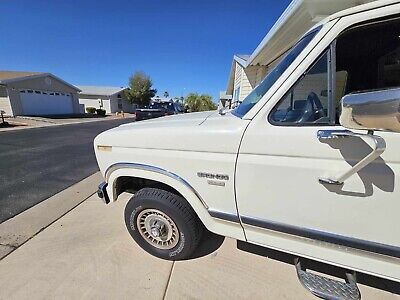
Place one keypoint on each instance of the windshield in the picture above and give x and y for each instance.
(274, 75)
(162, 105)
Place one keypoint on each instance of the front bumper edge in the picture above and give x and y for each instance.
(102, 192)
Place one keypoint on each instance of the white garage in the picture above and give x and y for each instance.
(111, 99)
(37, 94)
(36, 102)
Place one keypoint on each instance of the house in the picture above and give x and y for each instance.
(243, 78)
(36, 93)
(112, 99)
(247, 71)
(225, 101)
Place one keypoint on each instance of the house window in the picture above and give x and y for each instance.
(236, 94)
(30, 91)
(37, 92)
(22, 91)
(120, 104)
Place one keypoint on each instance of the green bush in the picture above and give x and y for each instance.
(90, 110)
(195, 102)
(101, 112)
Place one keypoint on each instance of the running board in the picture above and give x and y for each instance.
(327, 288)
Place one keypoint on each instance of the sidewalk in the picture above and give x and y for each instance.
(89, 254)
(35, 122)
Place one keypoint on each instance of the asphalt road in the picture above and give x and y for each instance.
(37, 163)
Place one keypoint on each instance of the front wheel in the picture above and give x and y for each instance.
(163, 224)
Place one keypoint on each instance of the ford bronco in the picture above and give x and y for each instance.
(308, 164)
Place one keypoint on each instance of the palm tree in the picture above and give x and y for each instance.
(166, 94)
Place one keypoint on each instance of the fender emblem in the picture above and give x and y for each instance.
(213, 176)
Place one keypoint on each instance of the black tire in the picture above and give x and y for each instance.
(189, 226)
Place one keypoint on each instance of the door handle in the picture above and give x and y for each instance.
(379, 147)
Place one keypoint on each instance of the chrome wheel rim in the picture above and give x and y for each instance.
(158, 229)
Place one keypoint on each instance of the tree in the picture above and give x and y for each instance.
(195, 102)
(166, 94)
(140, 89)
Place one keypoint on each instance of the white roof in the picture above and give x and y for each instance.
(241, 59)
(100, 90)
(299, 17)
(224, 96)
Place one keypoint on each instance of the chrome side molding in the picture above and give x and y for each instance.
(379, 147)
(154, 169)
(336, 240)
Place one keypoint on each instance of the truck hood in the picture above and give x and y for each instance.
(173, 120)
(203, 132)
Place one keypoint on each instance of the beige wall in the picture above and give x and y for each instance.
(247, 79)
(94, 101)
(126, 106)
(252, 77)
(41, 83)
(47, 83)
(5, 104)
(110, 103)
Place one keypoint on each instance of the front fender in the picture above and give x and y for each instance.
(217, 226)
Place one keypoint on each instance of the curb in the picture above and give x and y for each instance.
(49, 124)
(18, 230)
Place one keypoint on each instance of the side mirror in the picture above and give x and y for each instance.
(377, 110)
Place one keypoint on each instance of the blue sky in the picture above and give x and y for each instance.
(184, 45)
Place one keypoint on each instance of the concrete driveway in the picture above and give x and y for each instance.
(88, 254)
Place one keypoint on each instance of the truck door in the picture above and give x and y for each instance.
(281, 202)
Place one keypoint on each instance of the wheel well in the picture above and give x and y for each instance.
(134, 184)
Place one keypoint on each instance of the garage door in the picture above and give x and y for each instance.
(45, 103)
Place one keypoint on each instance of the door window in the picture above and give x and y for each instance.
(307, 101)
(368, 58)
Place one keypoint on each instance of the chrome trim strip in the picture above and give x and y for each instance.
(223, 215)
(137, 166)
(327, 237)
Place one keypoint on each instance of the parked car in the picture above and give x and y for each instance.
(158, 109)
(297, 167)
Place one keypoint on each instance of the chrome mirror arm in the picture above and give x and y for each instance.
(379, 148)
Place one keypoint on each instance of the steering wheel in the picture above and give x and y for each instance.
(313, 110)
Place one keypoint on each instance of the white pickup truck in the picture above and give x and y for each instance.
(298, 167)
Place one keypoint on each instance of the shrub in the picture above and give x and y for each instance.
(101, 112)
(90, 110)
(195, 102)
